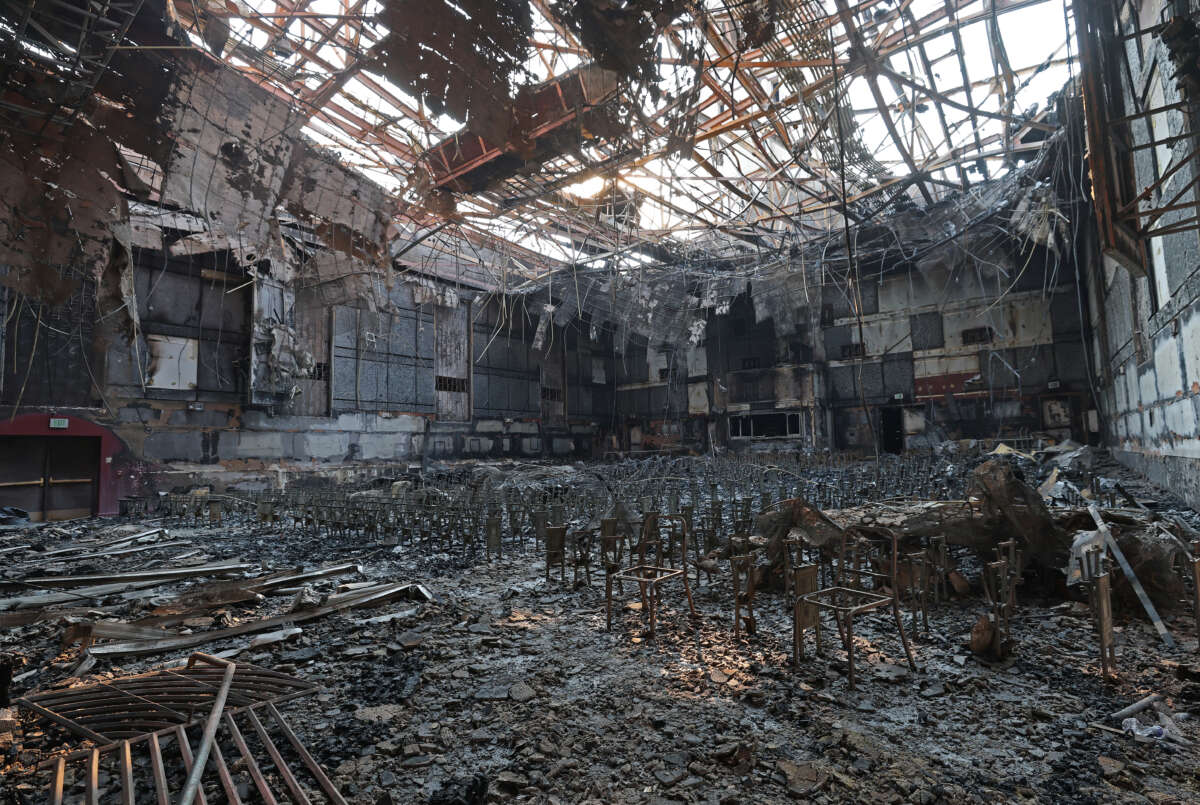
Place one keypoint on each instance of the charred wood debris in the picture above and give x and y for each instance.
(997, 624)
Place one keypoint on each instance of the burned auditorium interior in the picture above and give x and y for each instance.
(450, 402)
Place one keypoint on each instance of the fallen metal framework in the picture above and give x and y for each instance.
(127, 707)
(148, 709)
(1121, 124)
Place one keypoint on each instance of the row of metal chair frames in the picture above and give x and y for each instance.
(719, 494)
(825, 479)
(863, 571)
(193, 509)
(682, 513)
(429, 518)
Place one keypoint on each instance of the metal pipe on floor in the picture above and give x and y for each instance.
(210, 730)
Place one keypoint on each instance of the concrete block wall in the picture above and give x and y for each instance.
(1146, 327)
(228, 446)
(1151, 395)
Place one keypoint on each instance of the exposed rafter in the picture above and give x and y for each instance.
(757, 163)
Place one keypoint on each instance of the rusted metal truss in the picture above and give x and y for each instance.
(745, 147)
(1131, 209)
(76, 42)
(135, 705)
(148, 722)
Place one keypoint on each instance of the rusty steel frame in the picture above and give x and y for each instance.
(191, 762)
(1094, 568)
(136, 705)
(650, 577)
(835, 600)
(741, 122)
(1194, 561)
(192, 784)
(261, 692)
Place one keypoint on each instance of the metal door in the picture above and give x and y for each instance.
(51, 477)
(72, 464)
(22, 467)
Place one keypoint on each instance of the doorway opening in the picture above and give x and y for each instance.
(891, 427)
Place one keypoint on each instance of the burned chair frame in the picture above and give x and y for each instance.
(650, 577)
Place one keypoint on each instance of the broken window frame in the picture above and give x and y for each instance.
(222, 352)
(740, 426)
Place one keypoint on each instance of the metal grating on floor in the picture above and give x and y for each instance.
(139, 726)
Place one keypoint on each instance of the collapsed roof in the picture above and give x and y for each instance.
(629, 133)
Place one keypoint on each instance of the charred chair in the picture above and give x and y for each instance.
(556, 551)
(580, 544)
(743, 574)
(858, 587)
(612, 551)
(492, 542)
(669, 564)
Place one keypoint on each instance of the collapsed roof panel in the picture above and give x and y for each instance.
(757, 125)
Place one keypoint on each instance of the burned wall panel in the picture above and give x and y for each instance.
(46, 347)
(898, 376)
(553, 385)
(231, 147)
(383, 361)
(926, 330)
(195, 332)
(507, 380)
(313, 320)
(452, 362)
(589, 372)
(287, 346)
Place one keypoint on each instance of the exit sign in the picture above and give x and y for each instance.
(59, 422)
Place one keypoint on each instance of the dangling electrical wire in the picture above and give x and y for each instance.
(852, 262)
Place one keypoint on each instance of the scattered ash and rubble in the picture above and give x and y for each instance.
(443, 637)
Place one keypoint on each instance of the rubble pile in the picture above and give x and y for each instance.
(436, 671)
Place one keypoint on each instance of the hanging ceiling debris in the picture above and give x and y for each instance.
(740, 127)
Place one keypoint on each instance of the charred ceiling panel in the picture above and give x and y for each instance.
(233, 144)
(59, 206)
(66, 49)
(461, 58)
(621, 36)
(347, 211)
(548, 120)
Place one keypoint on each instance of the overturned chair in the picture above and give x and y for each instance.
(670, 565)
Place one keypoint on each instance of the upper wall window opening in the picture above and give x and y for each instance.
(978, 335)
(456, 385)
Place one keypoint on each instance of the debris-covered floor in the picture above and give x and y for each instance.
(449, 677)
